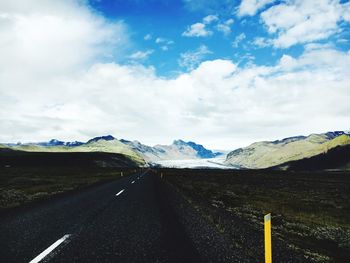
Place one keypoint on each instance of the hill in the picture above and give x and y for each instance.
(337, 158)
(98, 144)
(267, 154)
(136, 151)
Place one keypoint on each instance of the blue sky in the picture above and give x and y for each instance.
(167, 21)
(221, 73)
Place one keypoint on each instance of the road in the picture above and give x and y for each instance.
(121, 221)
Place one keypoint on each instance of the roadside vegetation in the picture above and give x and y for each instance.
(21, 185)
(310, 211)
(29, 176)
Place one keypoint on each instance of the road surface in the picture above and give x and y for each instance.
(121, 221)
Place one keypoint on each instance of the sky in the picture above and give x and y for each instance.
(221, 73)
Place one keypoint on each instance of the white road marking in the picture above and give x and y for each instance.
(49, 249)
(119, 192)
(133, 182)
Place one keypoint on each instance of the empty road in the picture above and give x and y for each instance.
(121, 221)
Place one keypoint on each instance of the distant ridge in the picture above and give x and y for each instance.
(337, 158)
(265, 154)
(106, 138)
(141, 153)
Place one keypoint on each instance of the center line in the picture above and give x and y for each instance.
(119, 192)
(49, 249)
(133, 182)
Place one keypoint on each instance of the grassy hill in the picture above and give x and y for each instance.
(337, 158)
(103, 146)
(268, 154)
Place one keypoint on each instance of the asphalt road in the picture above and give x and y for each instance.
(126, 220)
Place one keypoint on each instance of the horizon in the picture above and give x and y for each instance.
(224, 74)
(213, 148)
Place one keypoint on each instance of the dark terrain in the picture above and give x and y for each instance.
(310, 210)
(29, 176)
(337, 158)
(167, 215)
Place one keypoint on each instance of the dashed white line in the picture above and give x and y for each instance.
(49, 249)
(119, 192)
(133, 182)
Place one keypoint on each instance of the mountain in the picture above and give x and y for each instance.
(105, 138)
(178, 150)
(104, 144)
(150, 154)
(337, 158)
(138, 152)
(55, 142)
(201, 151)
(272, 153)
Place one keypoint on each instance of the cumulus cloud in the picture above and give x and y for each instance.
(300, 21)
(197, 30)
(217, 102)
(251, 7)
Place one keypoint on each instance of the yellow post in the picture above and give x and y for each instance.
(268, 248)
(121, 173)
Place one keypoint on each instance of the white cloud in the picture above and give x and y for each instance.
(251, 7)
(197, 30)
(192, 59)
(210, 18)
(299, 21)
(238, 40)
(162, 40)
(54, 38)
(218, 103)
(225, 27)
(141, 55)
(261, 42)
(147, 37)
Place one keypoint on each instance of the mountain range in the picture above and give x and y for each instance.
(135, 150)
(266, 154)
(310, 152)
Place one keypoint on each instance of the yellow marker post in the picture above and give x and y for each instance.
(268, 247)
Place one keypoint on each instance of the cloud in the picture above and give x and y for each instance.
(141, 55)
(225, 27)
(49, 38)
(300, 21)
(192, 59)
(63, 91)
(164, 43)
(209, 23)
(161, 40)
(147, 37)
(238, 40)
(209, 19)
(197, 30)
(261, 42)
(251, 7)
